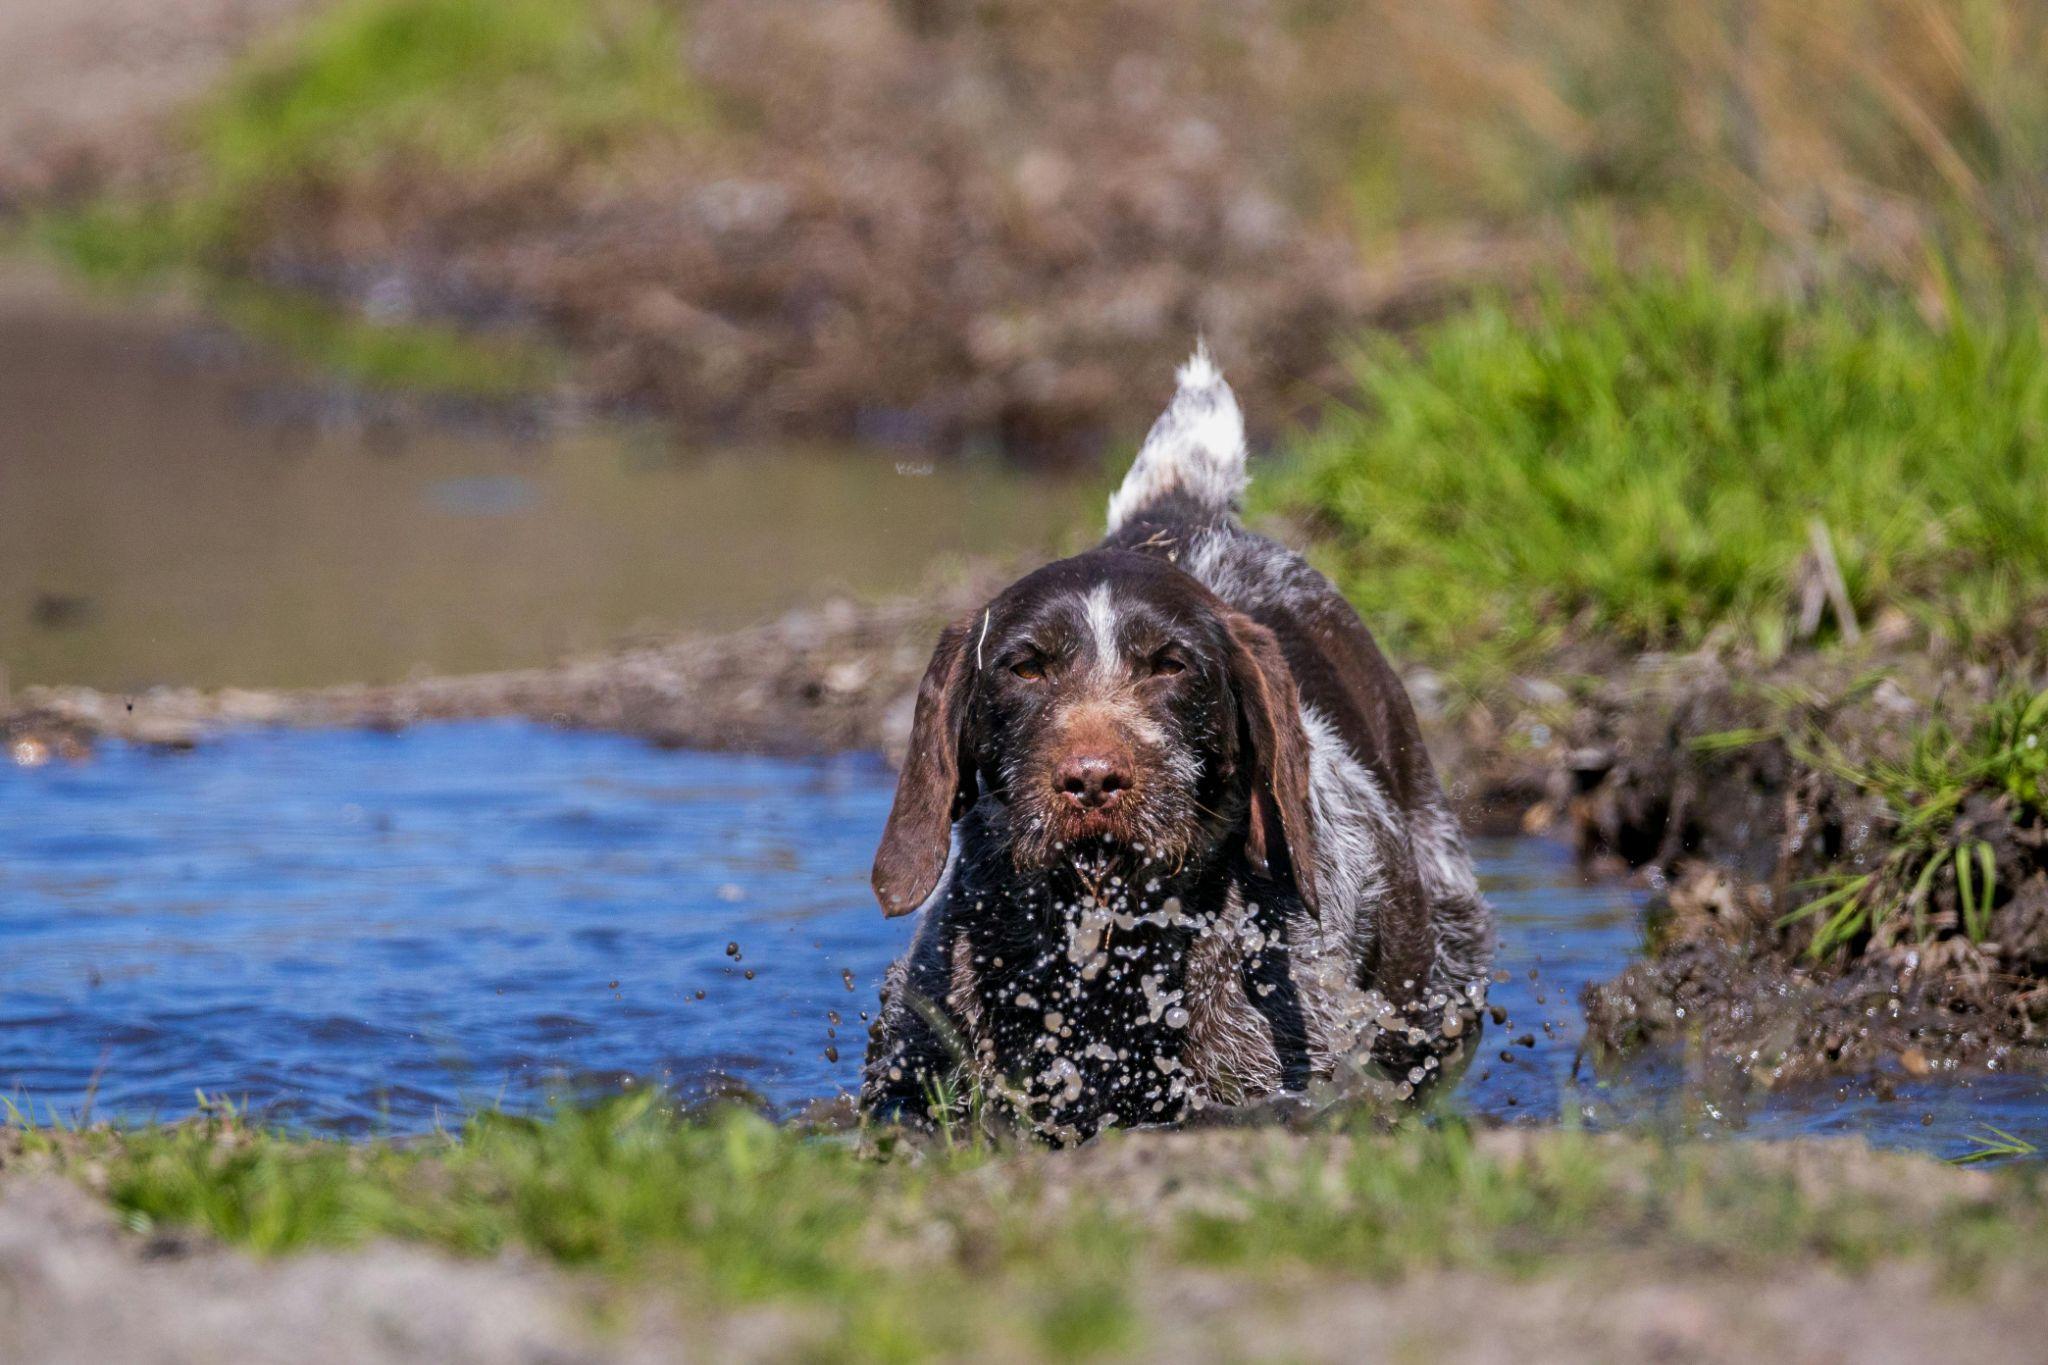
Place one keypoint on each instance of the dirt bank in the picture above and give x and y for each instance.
(1730, 789)
(87, 91)
(839, 676)
(80, 1286)
(904, 222)
(1848, 852)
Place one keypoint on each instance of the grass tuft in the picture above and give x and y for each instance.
(367, 99)
(1994, 1144)
(1649, 463)
(1939, 874)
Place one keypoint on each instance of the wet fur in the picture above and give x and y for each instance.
(1304, 902)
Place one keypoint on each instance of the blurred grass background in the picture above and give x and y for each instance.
(972, 221)
(1609, 318)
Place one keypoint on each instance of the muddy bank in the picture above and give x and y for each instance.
(836, 677)
(79, 1285)
(1730, 789)
(1844, 885)
(839, 676)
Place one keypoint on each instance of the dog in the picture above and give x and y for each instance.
(1168, 820)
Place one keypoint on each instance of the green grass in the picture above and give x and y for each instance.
(1936, 878)
(1646, 462)
(448, 85)
(375, 100)
(1388, 1208)
(941, 1251)
(1995, 1144)
(730, 1207)
(375, 94)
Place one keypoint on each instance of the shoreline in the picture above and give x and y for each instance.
(1609, 758)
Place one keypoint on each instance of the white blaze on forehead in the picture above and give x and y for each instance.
(1102, 624)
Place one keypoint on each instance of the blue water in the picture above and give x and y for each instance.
(363, 932)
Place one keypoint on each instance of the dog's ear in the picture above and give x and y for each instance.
(1282, 833)
(937, 783)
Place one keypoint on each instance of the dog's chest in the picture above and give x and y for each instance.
(1088, 1016)
(1083, 1016)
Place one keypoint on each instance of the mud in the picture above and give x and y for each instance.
(1634, 762)
(837, 677)
(1726, 789)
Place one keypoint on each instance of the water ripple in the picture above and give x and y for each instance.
(363, 933)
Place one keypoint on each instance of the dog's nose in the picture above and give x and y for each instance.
(1092, 781)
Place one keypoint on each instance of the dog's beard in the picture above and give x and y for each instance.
(1156, 828)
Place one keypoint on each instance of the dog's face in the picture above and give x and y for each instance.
(1103, 720)
(1126, 717)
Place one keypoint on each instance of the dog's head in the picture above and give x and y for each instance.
(1126, 717)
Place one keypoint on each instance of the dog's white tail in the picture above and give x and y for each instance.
(1194, 454)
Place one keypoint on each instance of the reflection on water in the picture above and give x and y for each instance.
(166, 518)
(355, 931)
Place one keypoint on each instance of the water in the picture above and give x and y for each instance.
(362, 932)
(175, 511)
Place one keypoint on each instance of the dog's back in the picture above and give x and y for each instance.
(1426, 928)
(1169, 827)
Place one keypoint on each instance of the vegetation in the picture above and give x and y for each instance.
(457, 133)
(446, 85)
(909, 1257)
(1939, 874)
(1664, 461)
(369, 96)
(1872, 126)
(423, 355)
(372, 90)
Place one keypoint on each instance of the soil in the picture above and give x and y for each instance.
(1608, 759)
(1707, 781)
(75, 1285)
(837, 677)
(903, 221)
(87, 91)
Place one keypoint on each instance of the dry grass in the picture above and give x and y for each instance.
(1884, 127)
(957, 222)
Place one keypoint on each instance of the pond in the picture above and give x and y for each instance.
(174, 510)
(356, 932)
(360, 932)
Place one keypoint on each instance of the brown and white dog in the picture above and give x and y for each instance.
(1169, 821)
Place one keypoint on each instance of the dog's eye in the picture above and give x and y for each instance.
(1166, 665)
(1030, 670)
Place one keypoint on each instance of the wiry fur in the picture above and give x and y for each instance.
(1125, 981)
(1254, 574)
(1195, 451)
